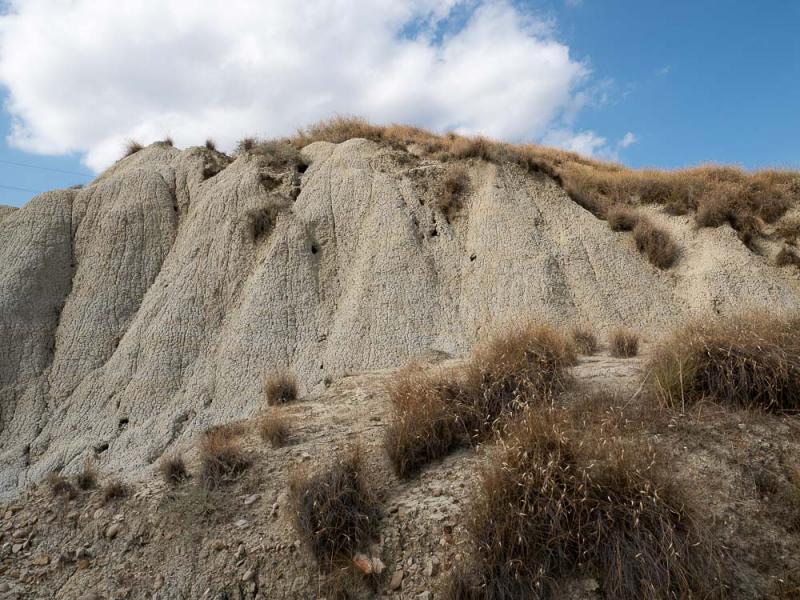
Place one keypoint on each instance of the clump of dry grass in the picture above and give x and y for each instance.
(113, 490)
(426, 422)
(221, 456)
(450, 191)
(87, 479)
(173, 468)
(211, 145)
(274, 427)
(622, 218)
(436, 411)
(584, 340)
(60, 486)
(168, 141)
(787, 256)
(747, 361)
(656, 243)
(280, 387)
(335, 511)
(624, 343)
(562, 497)
(132, 147)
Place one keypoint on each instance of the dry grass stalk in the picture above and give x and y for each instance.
(275, 428)
(221, 456)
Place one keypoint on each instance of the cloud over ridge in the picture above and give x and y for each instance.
(109, 71)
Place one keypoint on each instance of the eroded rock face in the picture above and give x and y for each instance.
(139, 310)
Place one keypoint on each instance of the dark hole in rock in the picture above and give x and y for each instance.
(123, 422)
(434, 232)
(101, 447)
(302, 168)
(314, 248)
(472, 257)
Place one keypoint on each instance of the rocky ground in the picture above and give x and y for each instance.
(237, 541)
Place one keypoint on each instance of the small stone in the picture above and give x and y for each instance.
(397, 580)
(362, 563)
(83, 564)
(16, 548)
(248, 575)
(240, 551)
(217, 545)
(113, 531)
(41, 560)
(431, 569)
(241, 523)
(158, 583)
(426, 595)
(252, 499)
(4, 587)
(98, 514)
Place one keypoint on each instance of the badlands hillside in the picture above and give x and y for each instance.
(145, 316)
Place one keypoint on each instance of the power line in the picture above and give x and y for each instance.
(19, 189)
(19, 164)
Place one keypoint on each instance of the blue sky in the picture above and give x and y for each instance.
(687, 81)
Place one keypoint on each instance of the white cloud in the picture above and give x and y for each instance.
(85, 75)
(628, 139)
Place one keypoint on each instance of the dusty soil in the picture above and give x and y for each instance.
(238, 541)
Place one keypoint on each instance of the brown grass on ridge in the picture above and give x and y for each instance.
(584, 340)
(622, 217)
(714, 194)
(173, 468)
(745, 361)
(561, 498)
(132, 147)
(113, 490)
(335, 511)
(60, 486)
(436, 411)
(450, 190)
(87, 478)
(624, 343)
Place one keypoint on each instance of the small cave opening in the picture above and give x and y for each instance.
(123, 422)
(472, 257)
(314, 248)
(433, 232)
(101, 447)
(302, 167)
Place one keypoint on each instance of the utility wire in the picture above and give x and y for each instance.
(19, 164)
(19, 189)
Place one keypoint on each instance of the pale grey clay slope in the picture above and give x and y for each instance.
(140, 309)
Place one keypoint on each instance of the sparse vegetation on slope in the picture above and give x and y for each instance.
(450, 191)
(655, 243)
(112, 490)
(274, 427)
(715, 195)
(132, 147)
(746, 361)
(87, 479)
(437, 411)
(563, 497)
(335, 511)
(173, 468)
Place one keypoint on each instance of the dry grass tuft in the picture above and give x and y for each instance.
(450, 191)
(624, 343)
(168, 141)
(87, 479)
(221, 457)
(173, 468)
(246, 145)
(656, 243)
(132, 147)
(275, 428)
(787, 256)
(622, 218)
(335, 511)
(436, 411)
(584, 340)
(113, 490)
(280, 387)
(748, 361)
(559, 500)
(60, 486)
(211, 145)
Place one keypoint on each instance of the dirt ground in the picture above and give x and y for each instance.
(237, 541)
